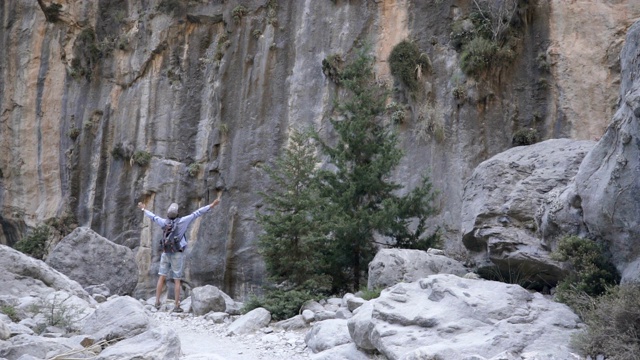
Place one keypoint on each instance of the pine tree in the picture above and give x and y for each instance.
(291, 241)
(360, 199)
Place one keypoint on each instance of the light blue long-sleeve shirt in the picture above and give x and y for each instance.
(182, 223)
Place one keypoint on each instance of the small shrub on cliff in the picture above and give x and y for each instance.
(477, 56)
(524, 137)
(488, 36)
(407, 63)
(64, 224)
(118, 152)
(34, 244)
(141, 157)
(239, 12)
(73, 132)
(193, 169)
(331, 67)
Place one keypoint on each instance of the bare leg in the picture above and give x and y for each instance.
(159, 287)
(176, 291)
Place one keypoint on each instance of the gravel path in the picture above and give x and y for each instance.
(202, 339)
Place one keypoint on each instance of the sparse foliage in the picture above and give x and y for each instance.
(11, 312)
(524, 137)
(35, 243)
(370, 294)
(239, 12)
(58, 312)
(193, 169)
(591, 270)
(282, 304)
(488, 36)
(408, 64)
(613, 324)
(73, 132)
(331, 67)
(141, 157)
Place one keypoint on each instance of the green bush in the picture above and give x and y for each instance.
(223, 44)
(477, 56)
(10, 311)
(488, 36)
(591, 270)
(407, 63)
(193, 169)
(142, 158)
(613, 325)
(118, 152)
(239, 12)
(331, 67)
(282, 304)
(73, 132)
(371, 294)
(34, 244)
(524, 137)
(64, 224)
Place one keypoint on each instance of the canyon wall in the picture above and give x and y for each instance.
(107, 103)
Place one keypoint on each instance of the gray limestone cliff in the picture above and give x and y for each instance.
(107, 103)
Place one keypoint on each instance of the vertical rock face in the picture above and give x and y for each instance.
(114, 102)
(607, 182)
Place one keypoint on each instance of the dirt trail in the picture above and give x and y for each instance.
(202, 339)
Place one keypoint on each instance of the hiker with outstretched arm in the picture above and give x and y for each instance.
(172, 258)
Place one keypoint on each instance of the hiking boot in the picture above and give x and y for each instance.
(157, 306)
(177, 309)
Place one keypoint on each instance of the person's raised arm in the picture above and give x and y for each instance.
(215, 203)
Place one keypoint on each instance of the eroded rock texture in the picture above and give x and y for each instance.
(444, 316)
(502, 198)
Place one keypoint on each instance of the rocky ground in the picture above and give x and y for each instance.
(202, 339)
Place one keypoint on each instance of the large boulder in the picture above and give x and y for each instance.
(5, 332)
(448, 317)
(157, 343)
(250, 322)
(347, 351)
(120, 317)
(90, 259)
(206, 299)
(327, 334)
(21, 275)
(30, 346)
(502, 198)
(392, 266)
